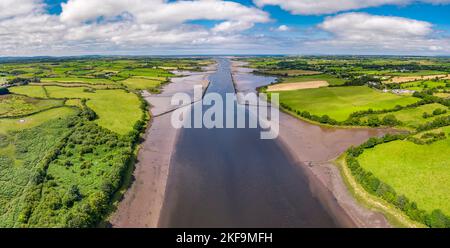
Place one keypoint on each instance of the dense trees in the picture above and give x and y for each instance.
(4, 91)
(363, 80)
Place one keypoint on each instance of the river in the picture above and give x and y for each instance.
(232, 178)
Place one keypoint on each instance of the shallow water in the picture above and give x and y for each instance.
(232, 178)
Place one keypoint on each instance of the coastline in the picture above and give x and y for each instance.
(142, 203)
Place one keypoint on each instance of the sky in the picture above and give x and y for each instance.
(172, 27)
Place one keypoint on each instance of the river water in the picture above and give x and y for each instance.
(232, 178)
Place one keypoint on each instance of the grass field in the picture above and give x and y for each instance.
(16, 105)
(145, 72)
(412, 117)
(442, 95)
(420, 172)
(140, 83)
(291, 72)
(15, 124)
(419, 86)
(69, 80)
(339, 102)
(321, 77)
(29, 90)
(117, 110)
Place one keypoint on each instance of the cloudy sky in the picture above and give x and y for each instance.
(158, 27)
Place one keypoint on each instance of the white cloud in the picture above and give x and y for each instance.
(232, 26)
(317, 7)
(361, 26)
(109, 25)
(283, 28)
(127, 26)
(379, 33)
(159, 11)
(11, 8)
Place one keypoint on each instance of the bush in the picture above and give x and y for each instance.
(4, 91)
(390, 120)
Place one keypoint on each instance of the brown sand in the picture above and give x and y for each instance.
(297, 86)
(142, 203)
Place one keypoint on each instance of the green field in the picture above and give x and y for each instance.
(413, 117)
(14, 124)
(16, 105)
(321, 77)
(29, 90)
(145, 72)
(117, 110)
(77, 80)
(339, 102)
(420, 172)
(291, 73)
(140, 83)
(419, 86)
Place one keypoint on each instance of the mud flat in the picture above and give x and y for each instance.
(314, 148)
(142, 203)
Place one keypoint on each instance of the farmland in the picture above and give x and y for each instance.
(332, 80)
(339, 102)
(408, 171)
(69, 131)
(420, 172)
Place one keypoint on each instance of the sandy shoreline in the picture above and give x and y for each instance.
(142, 203)
(313, 148)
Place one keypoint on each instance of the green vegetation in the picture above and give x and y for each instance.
(405, 176)
(413, 177)
(142, 83)
(332, 80)
(117, 110)
(289, 73)
(412, 117)
(339, 102)
(69, 131)
(29, 90)
(76, 80)
(16, 105)
(15, 124)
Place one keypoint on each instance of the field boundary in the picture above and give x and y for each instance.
(395, 216)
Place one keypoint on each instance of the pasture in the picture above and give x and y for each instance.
(17, 105)
(141, 83)
(117, 110)
(413, 117)
(339, 102)
(29, 90)
(332, 80)
(420, 172)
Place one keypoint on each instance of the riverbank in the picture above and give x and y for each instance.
(314, 148)
(142, 203)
